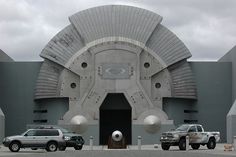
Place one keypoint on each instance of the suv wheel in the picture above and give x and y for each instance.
(62, 148)
(51, 147)
(195, 146)
(182, 144)
(211, 143)
(78, 147)
(165, 146)
(14, 146)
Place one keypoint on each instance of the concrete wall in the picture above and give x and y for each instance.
(2, 125)
(213, 82)
(231, 57)
(17, 84)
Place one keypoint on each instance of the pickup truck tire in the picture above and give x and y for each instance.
(195, 146)
(211, 143)
(165, 146)
(14, 146)
(182, 144)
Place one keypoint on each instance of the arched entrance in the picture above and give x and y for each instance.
(115, 114)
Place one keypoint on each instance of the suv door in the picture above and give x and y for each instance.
(29, 138)
(41, 137)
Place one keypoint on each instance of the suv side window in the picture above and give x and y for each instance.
(31, 133)
(192, 129)
(53, 133)
(41, 133)
(199, 128)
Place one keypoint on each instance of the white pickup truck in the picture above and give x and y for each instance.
(196, 135)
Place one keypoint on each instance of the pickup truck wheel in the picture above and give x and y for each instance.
(51, 147)
(14, 146)
(211, 143)
(165, 146)
(78, 147)
(195, 146)
(182, 144)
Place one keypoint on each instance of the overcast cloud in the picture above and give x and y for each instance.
(208, 28)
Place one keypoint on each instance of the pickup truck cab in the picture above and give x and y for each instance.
(195, 132)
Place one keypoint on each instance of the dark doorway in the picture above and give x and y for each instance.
(115, 114)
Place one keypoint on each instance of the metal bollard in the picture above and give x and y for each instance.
(91, 143)
(187, 143)
(234, 143)
(139, 142)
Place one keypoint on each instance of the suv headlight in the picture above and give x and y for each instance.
(66, 138)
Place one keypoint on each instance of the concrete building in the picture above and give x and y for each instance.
(231, 116)
(116, 68)
(3, 58)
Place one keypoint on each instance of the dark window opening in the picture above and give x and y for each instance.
(73, 85)
(190, 121)
(84, 65)
(40, 111)
(157, 85)
(190, 111)
(40, 121)
(146, 65)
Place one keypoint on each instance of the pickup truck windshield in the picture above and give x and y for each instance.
(182, 128)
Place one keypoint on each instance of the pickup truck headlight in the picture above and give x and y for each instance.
(6, 139)
(66, 138)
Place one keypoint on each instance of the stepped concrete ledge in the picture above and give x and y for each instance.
(132, 151)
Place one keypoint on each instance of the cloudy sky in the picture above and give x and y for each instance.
(207, 27)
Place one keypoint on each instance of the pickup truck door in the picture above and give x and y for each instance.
(193, 135)
(202, 136)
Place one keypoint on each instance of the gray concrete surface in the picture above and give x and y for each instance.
(132, 151)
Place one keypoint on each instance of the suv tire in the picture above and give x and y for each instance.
(165, 146)
(62, 148)
(195, 146)
(78, 147)
(211, 143)
(182, 144)
(14, 146)
(51, 147)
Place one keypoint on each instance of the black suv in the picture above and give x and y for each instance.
(72, 140)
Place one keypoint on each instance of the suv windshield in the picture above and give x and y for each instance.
(182, 128)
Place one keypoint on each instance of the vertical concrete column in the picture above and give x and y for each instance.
(139, 142)
(91, 143)
(187, 143)
(234, 143)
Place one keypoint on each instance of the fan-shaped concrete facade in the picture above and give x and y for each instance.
(115, 49)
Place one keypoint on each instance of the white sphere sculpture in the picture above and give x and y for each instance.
(152, 123)
(79, 124)
(117, 136)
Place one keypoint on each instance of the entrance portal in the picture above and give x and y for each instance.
(115, 114)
